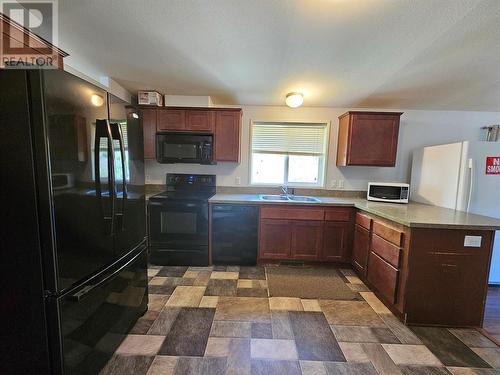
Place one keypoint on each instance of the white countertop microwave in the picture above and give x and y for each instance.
(392, 192)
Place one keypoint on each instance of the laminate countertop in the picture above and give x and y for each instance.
(414, 215)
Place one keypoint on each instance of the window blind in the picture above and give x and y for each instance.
(293, 139)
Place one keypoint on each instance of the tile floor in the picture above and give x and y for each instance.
(219, 320)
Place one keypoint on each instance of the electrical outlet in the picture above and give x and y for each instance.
(148, 179)
(333, 183)
(341, 184)
(472, 241)
(238, 180)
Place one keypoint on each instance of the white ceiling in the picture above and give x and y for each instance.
(414, 54)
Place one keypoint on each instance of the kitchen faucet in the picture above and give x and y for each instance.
(286, 190)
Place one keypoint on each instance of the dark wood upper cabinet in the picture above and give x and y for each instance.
(227, 135)
(171, 119)
(189, 119)
(148, 117)
(368, 139)
(223, 123)
(200, 120)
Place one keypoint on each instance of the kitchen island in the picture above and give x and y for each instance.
(428, 264)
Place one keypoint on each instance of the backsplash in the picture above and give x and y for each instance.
(296, 191)
(152, 189)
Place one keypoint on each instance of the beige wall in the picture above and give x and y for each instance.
(418, 128)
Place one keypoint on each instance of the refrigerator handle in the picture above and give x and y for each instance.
(117, 134)
(471, 183)
(85, 291)
(103, 130)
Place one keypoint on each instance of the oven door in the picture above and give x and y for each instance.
(179, 224)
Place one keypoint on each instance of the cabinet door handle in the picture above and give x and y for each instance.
(449, 268)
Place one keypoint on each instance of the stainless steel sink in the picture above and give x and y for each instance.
(295, 198)
(302, 198)
(274, 197)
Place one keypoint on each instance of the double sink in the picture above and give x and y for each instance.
(288, 198)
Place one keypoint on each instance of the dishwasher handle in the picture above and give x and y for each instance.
(234, 208)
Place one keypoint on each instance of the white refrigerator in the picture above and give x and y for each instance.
(463, 176)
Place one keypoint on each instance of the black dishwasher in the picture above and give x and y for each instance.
(235, 234)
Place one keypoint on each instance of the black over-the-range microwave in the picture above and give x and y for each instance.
(184, 148)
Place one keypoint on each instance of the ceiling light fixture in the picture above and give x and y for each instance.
(294, 99)
(97, 100)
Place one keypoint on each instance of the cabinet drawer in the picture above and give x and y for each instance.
(383, 277)
(292, 213)
(387, 233)
(338, 214)
(364, 221)
(386, 250)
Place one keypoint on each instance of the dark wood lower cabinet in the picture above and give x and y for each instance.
(336, 241)
(360, 249)
(448, 281)
(383, 277)
(302, 233)
(275, 239)
(426, 276)
(307, 238)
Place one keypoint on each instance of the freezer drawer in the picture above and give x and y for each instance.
(95, 318)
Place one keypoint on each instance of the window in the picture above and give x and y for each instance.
(288, 154)
(103, 155)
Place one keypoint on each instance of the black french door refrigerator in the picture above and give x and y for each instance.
(74, 259)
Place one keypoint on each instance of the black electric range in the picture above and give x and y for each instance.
(178, 221)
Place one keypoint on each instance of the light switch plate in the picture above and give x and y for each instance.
(472, 241)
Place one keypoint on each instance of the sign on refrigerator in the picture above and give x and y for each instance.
(493, 165)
